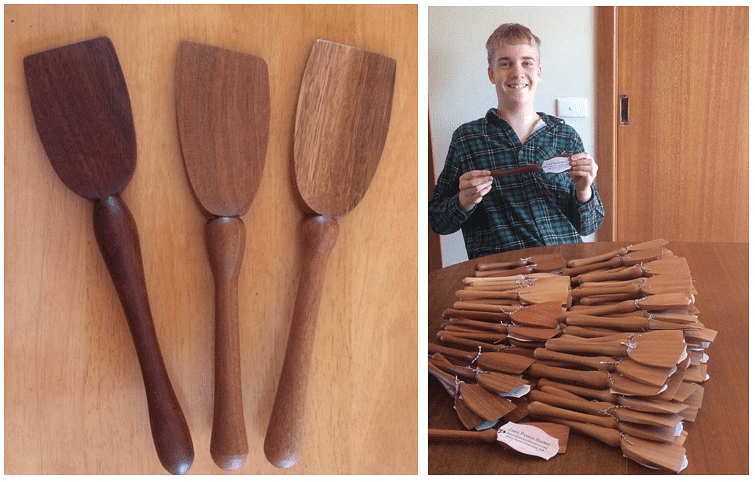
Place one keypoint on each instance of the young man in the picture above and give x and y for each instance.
(524, 209)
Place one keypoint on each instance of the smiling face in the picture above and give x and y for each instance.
(515, 70)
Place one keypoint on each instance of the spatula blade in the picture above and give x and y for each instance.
(223, 114)
(342, 122)
(487, 405)
(82, 111)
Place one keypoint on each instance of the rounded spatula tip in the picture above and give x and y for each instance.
(280, 456)
(229, 463)
(179, 461)
(182, 468)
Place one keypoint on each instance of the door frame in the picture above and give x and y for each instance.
(606, 114)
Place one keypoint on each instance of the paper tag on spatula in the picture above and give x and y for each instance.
(528, 439)
(556, 164)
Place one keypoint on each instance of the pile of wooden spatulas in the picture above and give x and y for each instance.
(628, 356)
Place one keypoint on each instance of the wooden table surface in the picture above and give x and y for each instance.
(74, 398)
(718, 439)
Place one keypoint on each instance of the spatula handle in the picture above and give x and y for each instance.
(631, 272)
(540, 409)
(614, 308)
(575, 263)
(595, 362)
(630, 290)
(609, 436)
(225, 238)
(490, 435)
(118, 239)
(319, 235)
(591, 378)
(591, 407)
(569, 345)
(516, 170)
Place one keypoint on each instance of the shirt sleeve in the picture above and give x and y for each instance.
(446, 216)
(586, 217)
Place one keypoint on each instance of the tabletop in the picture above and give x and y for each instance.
(74, 396)
(717, 441)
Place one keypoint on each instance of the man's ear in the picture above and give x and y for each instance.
(490, 75)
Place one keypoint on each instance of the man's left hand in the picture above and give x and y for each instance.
(583, 172)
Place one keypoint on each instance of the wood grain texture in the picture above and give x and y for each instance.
(223, 115)
(606, 116)
(83, 116)
(283, 438)
(118, 239)
(225, 239)
(682, 161)
(74, 397)
(716, 443)
(342, 120)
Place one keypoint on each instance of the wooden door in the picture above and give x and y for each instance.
(681, 156)
(434, 260)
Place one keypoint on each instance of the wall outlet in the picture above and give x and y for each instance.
(571, 107)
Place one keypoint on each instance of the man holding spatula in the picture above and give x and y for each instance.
(491, 186)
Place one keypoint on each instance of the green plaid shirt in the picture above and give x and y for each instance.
(521, 210)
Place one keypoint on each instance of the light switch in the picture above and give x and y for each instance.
(571, 107)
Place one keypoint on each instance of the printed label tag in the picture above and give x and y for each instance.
(556, 164)
(518, 392)
(528, 439)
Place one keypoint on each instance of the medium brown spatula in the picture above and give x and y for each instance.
(82, 111)
(223, 113)
(341, 124)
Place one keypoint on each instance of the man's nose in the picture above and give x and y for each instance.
(516, 70)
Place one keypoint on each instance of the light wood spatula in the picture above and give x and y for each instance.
(223, 113)
(83, 115)
(561, 432)
(342, 121)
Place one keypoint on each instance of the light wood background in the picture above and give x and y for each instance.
(74, 399)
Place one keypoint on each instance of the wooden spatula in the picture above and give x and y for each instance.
(510, 363)
(664, 455)
(561, 432)
(341, 124)
(496, 382)
(223, 113)
(662, 348)
(82, 111)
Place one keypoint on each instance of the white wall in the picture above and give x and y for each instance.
(459, 89)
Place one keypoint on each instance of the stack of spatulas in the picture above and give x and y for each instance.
(626, 363)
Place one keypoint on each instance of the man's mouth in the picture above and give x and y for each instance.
(517, 86)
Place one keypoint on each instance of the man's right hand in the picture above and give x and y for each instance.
(473, 185)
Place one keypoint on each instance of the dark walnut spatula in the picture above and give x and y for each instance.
(223, 112)
(341, 124)
(82, 111)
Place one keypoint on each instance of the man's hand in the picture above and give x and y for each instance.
(473, 185)
(583, 172)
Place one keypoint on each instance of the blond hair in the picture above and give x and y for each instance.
(511, 33)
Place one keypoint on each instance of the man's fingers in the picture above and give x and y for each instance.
(476, 183)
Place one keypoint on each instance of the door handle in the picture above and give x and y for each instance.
(624, 110)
